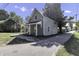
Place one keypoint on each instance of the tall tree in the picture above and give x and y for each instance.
(53, 11)
(18, 20)
(3, 15)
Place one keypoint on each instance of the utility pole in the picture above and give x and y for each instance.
(76, 15)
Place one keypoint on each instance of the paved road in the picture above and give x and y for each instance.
(27, 50)
(46, 47)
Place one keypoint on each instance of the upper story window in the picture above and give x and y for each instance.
(35, 17)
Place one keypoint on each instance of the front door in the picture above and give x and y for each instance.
(33, 29)
(40, 31)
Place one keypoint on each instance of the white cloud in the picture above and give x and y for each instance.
(32, 9)
(16, 6)
(67, 11)
(23, 9)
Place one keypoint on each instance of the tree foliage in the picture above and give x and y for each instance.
(53, 11)
(77, 24)
(12, 23)
(3, 15)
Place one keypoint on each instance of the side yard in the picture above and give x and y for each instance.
(5, 37)
(71, 47)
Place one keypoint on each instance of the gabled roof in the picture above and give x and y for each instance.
(34, 11)
(40, 12)
(72, 21)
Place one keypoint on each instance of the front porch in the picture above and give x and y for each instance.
(35, 29)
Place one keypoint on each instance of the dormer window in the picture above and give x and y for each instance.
(35, 17)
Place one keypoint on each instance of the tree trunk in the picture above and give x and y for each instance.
(60, 28)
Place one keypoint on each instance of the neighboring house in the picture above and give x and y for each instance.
(70, 25)
(40, 25)
(9, 26)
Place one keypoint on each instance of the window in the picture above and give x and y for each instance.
(55, 23)
(48, 29)
(35, 17)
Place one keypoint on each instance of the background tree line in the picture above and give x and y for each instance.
(10, 22)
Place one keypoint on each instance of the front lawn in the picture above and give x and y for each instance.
(71, 47)
(5, 37)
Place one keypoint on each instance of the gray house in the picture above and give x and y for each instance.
(40, 25)
(70, 25)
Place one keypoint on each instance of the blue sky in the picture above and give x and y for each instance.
(25, 9)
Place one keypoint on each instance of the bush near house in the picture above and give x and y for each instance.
(77, 25)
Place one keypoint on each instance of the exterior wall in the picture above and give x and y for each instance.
(49, 26)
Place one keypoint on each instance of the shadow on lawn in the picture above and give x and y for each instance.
(40, 40)
(17, 41)
(43, 41)
(50, 41)
(72, 46)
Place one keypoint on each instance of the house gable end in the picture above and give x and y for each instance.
(36, 16)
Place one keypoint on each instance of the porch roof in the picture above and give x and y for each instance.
(34, 23)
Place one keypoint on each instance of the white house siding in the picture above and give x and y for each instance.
(51, 24)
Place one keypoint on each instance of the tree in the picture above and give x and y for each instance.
(3, 15)
(10, 22)
(53, 11)
(12, 14)
(17, 19)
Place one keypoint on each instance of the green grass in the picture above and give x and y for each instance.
(71, 47)
(5, 37)
(62, 52)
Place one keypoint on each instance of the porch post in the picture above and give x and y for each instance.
(36, 30)
(29, 29)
